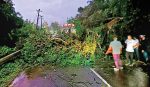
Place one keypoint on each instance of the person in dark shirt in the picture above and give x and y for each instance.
(144, 47)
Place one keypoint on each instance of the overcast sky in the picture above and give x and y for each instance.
(53, 10)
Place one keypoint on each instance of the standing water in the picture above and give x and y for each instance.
(128, 77)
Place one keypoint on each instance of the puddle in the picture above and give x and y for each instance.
(133, 77)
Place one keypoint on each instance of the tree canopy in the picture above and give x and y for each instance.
(133, 16)
(9, 20)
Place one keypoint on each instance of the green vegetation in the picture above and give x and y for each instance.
(5, 51)
(40, 48)
(9, 71)
(9, 20)
(95, 24)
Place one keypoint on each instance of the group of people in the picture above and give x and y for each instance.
(135, 49)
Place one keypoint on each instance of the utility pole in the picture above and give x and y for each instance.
(38, 11)
(41, 21)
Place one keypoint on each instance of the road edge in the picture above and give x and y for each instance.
(100, 77)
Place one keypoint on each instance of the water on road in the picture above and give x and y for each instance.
(64, 77)
(131, 77)
(82, 77)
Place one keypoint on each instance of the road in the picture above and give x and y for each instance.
(62, 77)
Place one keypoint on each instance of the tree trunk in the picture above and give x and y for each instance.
(9, 57)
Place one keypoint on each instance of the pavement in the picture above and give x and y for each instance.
(61, 77)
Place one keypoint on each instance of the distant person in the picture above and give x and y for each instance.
(130, 43)
(143, 47)
(136, 49)
(115, 48)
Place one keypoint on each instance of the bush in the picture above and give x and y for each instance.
(9, 71)
(5, 51)
(39, 49)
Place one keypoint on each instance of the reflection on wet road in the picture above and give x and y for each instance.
(81, 77)
(64, 77)
(128, 78)
(136, 78)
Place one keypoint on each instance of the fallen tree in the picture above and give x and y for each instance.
(9, 57)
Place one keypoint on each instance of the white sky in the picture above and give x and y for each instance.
(53, 10)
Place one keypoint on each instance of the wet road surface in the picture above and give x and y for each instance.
(133, 77)
(64, 77)
(83, 77)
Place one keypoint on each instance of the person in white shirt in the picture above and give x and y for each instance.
(130, 43)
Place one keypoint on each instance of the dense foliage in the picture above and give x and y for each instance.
(132, 17)
(9, 20)
(40, 48)
(5, 51)
(95, 24)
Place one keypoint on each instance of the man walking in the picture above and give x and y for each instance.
(130, 50)
(116, 48)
